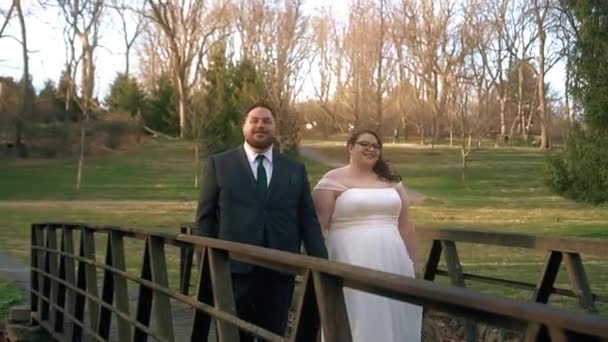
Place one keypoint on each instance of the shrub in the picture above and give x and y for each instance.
(581, 171)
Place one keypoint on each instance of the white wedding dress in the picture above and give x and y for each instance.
(364, 232)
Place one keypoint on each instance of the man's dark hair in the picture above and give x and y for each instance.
(258, 104)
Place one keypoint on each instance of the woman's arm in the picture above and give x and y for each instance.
(406, 228)
(324, 201)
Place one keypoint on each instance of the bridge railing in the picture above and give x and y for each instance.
(557, 249)
(66, 302)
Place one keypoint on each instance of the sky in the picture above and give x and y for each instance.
(47, 48)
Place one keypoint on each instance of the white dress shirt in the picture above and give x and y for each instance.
(253, 163)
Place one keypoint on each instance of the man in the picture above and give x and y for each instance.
(253, 194)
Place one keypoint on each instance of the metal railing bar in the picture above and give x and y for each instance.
(520, 285)
(83, 326)
(208, 309)
(107, 306)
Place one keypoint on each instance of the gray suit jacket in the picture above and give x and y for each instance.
(229, 207)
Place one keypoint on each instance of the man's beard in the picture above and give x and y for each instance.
(260, 145)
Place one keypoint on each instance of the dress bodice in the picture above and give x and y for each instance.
(357, 207)
(366, 206)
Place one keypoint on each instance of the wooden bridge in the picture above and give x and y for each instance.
(67, 301)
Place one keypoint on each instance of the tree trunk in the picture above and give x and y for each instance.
(81, 155)
(542, 100)
(197, 163)
(27, 94)
(520, 98)
(451, 133)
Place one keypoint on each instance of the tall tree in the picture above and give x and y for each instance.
(129, 14)
(28, 95)
(581, 172)
(82, 21)
(188, 29)
(275, 35)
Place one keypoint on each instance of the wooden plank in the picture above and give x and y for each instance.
(107, 294)
(547, 278)
(535, 332)
(453, 263)
(81, 283)
(223, 297)
(144, 301)
(51, 243)
(70, 277)
(37, 262)
(579, 283)
(297, 303)
(558, 335)
(200, 325)
(308, 321)
(60, 299)
(88, 236)
(46, 282)
(187, 254)
(571, 245)
(430, 270)
(332, 308)
(121, 292)
(162, 309)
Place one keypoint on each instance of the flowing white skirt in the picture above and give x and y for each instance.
(373, 318)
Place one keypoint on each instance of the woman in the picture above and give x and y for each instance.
(362, 209)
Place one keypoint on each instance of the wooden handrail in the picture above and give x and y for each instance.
(49, 280)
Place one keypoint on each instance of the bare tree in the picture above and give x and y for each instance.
(127, 13)
(545, 15)
(275, 36)
(82, 21)
(7, 17)
(28, 98)
(188, 28)
(328, 56)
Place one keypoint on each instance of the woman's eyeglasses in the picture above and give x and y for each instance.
(367, 145)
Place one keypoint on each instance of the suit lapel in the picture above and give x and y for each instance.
(277, 168)
(246, 167)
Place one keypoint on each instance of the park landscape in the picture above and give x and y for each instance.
(494, 112)
(152, 187)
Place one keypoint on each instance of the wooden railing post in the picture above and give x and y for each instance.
(185, 263)
(547, 278)
(158, 265)
(90, 272)
(579, 282)
(455, 273)
(144, 301)
(202, 321)
(332, 308)
(430, 270)
(51, 244)
(36, 262)
(121, 293)
(223, 298)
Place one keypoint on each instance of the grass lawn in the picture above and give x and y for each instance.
(152, 187)
(9, 295)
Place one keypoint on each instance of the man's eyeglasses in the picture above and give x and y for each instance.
(367, 145)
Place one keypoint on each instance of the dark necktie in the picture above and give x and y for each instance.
(262, 180)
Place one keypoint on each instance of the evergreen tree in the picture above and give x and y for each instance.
(159, 111)
(125, 95)
(581, 172)
(229, 90)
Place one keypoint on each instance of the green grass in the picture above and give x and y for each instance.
(9, 295)
(152, 187)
